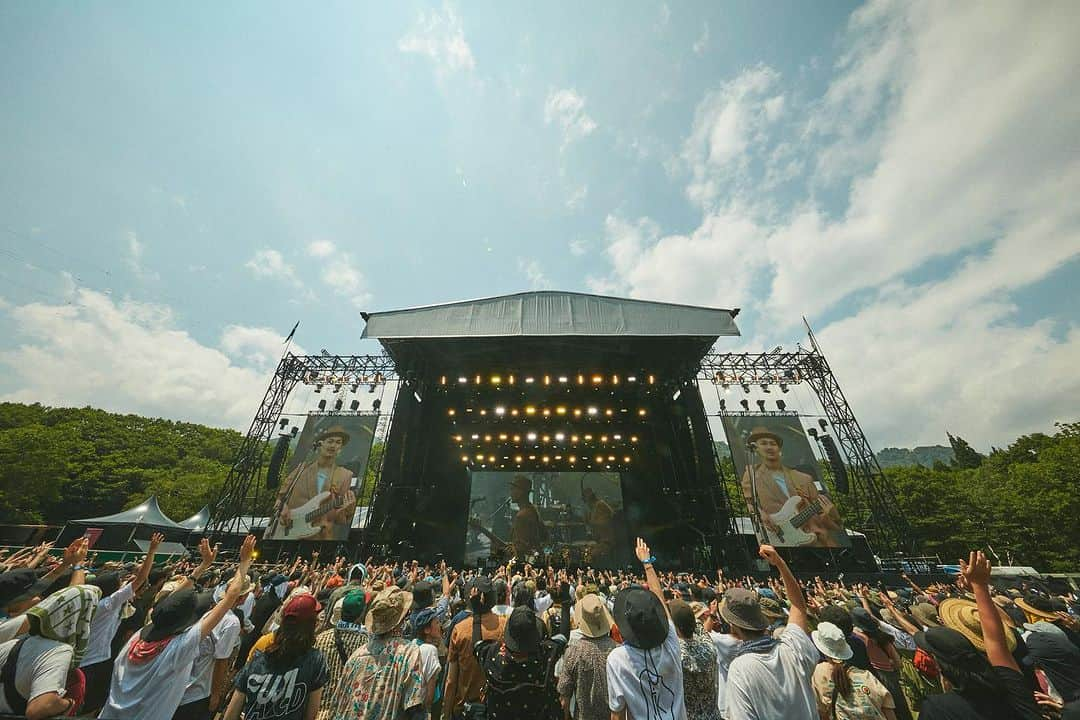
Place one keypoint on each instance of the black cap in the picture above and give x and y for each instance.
(864, 620)
(482, 583)
(641, 618)
(109, 582)
(20, 584)
(423, 595)
(523, 632)
(952, 648)
(176, 612)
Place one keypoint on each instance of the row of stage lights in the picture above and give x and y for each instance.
(547, 380)
(354, 405)
(780, 405)
(558, 411)
(764, 381)
(534, 437)
(548, 459)
(337, 382)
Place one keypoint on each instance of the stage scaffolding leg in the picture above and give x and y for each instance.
(233, 501)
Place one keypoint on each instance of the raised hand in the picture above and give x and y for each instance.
(155, 542)
(977, 568)
(75, 553)
(641, 549)
(769, 554)
(207, 553)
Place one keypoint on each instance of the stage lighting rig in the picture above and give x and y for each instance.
(761, 405)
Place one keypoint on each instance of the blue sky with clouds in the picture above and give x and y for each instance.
(182, 183)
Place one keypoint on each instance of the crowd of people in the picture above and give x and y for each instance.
(338, 641)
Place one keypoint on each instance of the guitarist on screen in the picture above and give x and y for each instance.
(311, 479)
(777, 483)
(527, 530)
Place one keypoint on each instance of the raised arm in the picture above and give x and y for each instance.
(977, 572)
(797, 613)
(208, 555)
(233, 591)
(646, 558)
(148, 562)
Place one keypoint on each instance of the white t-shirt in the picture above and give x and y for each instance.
(218, 645)
(152, 690)
(775, 684)
(429, 661)
(42, 668)
(647, 684)
(104, 625)
(725, 653)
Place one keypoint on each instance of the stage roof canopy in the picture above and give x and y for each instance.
(547, 326)
(145, 513)
(546, 312)
(197, 522)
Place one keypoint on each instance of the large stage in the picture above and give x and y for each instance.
(555, 427)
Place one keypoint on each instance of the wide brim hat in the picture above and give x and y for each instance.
(764, 432)
(830, 641)
(524, 631)
(864, 620)
(953, 647)
(388, 609)
(640, 615)
(175, 613)
(772, 609)
(1034, 614)
(963, 616)
(742, 609)
(926, 614)
(334, 431)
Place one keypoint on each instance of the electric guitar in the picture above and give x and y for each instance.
(790, 520)
(499, 547)
(309, 519)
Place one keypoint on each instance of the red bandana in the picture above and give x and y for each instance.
(142, 651)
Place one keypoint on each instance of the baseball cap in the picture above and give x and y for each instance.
(301, 607)
(20, 584)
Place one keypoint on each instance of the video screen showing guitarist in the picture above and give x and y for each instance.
(789, 505)
(316, 501)
(527, 529)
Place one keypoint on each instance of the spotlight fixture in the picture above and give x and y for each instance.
(783, 387)
(723, 404)
(824, 425)
(322, 404)
(781, 405)
(812, 432)
(376, 405)
(283, 423)
(745, 387)
(745, 404)
(761, 405)
(337, 405)
(354, 387)
(765, 387)
(318, 388)
(371, 388)
(295, 430)
(337, 388)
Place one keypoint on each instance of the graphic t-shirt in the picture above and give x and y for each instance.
(868, 695)
(647, 683)
(280, 692)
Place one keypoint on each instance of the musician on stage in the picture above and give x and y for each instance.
(311, 478)
(598, 517)
(776, 484)
(527, 531)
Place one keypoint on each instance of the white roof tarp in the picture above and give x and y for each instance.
(545, 312)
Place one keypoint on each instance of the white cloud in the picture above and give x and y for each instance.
(665, 14)
(578, 247)
(339, 272)
(727, 123)
(321, 248)
(127, 357)
(534, 273)
(566, 109)
(135, 257)
(948, 151)
(258, 347)
(702, 43)
(440, 36)
(271, 264)
(577, 198)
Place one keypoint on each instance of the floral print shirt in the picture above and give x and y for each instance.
(700, 682)
(380, 681)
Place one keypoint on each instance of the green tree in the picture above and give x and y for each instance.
(964, 456)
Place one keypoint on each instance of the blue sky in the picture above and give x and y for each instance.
(182, 183)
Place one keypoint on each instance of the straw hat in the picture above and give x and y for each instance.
(1036, 607)
(963, 616)
(388, 609)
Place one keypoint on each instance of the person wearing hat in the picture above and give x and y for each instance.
(986, 686)
(527, 530)
(339, 642)
(844, 691)
(383, 680)
(152, 670)
(97, 664)
(775, 483)
(769, 677)
(427, 629)
(644, 674)
(584, 669)
(318, 474)
(464, 679)
(519, 671)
